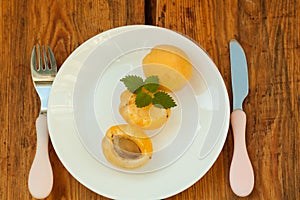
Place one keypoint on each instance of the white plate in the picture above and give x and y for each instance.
(98, 88)
(212, 107)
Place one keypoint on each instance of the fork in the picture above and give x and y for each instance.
(40, 180)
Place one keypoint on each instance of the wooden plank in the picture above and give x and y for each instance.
(64, 25)
(3, 116)
(268, 30)
(269, 33)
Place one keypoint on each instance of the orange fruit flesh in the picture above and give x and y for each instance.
(170, 64)
(148, 117)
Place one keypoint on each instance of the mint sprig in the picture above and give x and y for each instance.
(147, 92)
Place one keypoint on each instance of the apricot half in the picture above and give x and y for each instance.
(148, 117)
(170, 64)
(127, 146)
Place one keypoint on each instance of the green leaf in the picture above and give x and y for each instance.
(146, 92)
(163, 100)
(138, 90)
(133, 83)
(151, 83)
(142, 99)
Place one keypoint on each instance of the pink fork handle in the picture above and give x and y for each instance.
(241, 173)
(40, 180)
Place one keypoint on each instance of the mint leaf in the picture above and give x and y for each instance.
(163, 100)
(133, 83)
(146, 92)
(142, 99)
(151, 83)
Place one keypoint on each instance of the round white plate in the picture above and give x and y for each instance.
(72, 111)
(98, 88)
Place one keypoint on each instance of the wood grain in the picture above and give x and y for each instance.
(64, 25)
(269, 33)
(268, 30)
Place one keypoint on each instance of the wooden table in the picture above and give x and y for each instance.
(268, 30)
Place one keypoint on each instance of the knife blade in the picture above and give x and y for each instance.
(239, 74)
(241, 173)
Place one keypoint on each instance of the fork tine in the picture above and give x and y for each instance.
(46, 66)
(43, 63)
(52, 59)
(40, 58)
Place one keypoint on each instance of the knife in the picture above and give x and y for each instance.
(241, 175)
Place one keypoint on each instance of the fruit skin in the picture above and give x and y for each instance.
(148, 117)
(170, 64)
(136, 135)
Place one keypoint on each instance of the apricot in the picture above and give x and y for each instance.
(127, 146)
(148, 117)
(170, 64)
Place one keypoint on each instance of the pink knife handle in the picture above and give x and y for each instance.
(241, 173)
(40, 180)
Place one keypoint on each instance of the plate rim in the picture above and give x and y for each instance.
(216, 151)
